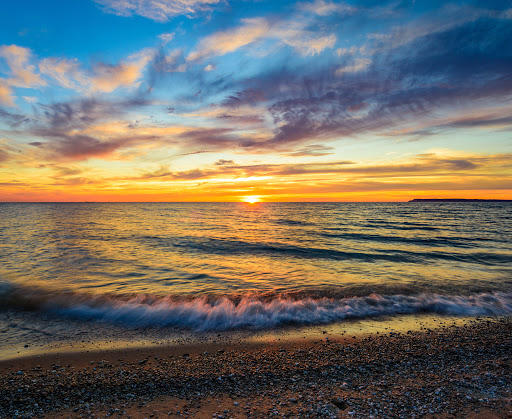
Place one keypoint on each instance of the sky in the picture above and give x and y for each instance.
(238, 100)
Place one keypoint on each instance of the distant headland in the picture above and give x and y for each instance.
(458, 200)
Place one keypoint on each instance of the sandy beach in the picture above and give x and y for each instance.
(451, 371)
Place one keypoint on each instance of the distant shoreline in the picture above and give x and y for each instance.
(457, 200)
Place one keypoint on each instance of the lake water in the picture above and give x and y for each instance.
(231, 266)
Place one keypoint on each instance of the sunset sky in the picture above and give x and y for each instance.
(211, 100)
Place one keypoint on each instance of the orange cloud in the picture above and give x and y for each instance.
(290, 33)
(102, 78)
(224, 42)
(108, 77)
(22, 72)
(5, 94)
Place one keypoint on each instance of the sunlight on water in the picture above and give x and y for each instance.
(154, 263)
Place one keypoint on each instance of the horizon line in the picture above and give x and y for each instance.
(259, 202)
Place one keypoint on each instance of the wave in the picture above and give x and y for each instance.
(279, 249)
(289, 222)
(440, 241)
(250, 312)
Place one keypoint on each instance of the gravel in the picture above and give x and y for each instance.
(452, 371)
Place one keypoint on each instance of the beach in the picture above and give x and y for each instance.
(450, 371)
(239, 310)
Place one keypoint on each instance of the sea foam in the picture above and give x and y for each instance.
(251, 313)
(248, 311)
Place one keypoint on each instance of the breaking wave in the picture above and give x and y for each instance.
(248, 312)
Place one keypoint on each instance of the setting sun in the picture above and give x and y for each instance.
(251, 199)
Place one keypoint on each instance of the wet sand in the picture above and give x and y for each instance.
(452, 371)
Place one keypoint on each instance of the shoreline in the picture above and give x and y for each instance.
(451, 371)
(118, 338)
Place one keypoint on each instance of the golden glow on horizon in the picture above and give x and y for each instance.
(445, 174)
(252, 199)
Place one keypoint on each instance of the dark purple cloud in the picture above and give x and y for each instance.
(439, 71)
(246, 97)
(405, 81)
(242, 119)
(58, 127)
(14, 120)
(82, 113)
(213, 138)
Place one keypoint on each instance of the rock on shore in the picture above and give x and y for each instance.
(463, 371)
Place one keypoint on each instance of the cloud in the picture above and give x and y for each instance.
(158, 10)
(335, 98)
(487, 120)
(166, 62)
(214, 138)
(166, 37)
(14, 120)
(313, 150)
(78, 130)
(290, 32)
(165, 174)
(67, 171)
(305, 31)
(30, 99)
(359, 64)
(77, 115)
(242, 120)
(70, 146)
(221, 43)
(66, 72)
(107, 77)
(69, 73)
(4, 155)
(439, 72)
(246, 97)
(223, 162)
(429, 166)
(325, 8)
(308, 102)
(22, 73)
(81, 147)
(347, 51)
(229, 168)
(6, 93)
(306, 43)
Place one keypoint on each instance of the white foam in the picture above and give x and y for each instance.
(223, 313)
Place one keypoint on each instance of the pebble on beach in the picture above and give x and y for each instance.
(455, 371)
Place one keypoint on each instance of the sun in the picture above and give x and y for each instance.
(252, 199)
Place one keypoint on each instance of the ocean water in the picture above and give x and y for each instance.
(231, 266)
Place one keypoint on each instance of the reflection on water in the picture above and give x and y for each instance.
(211, 248)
